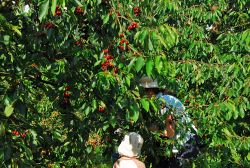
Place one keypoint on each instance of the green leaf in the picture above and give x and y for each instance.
(158, 64)
(143, 36)
(145, 104)
(248, 156)
(2, 129)
(228, 115)
(231, 107)
(150, 45)
(105, 127)
(162, 41)
(43, 9)
(16, 29)
(131, 63)
(135, 112)
(127, 80)
(242, 112)
(97, 63)
(87, 110)
(139, 63)
(149, 67)
(53, 7)
(153, 105)
(8, 110)
(228, 134)
(6, 39)
(105, 19)
(89, 149)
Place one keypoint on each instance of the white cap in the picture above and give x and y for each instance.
(131, 145)
(148, 82)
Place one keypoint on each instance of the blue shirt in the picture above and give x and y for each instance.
(179, 110)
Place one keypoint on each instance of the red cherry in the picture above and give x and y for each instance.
(101, 109)
(78, 10)
(137, 11)
(67, 88)
(105, 51)
(116, 70)
(122, 41)
(130, 27)
(58, 11)
(48, 25)
(108, 57)
(187, 101)
(121, 48)
(134, 24)
(66, 95)
(78, 43)
(121, 35)
(16, 133)
(24, 136)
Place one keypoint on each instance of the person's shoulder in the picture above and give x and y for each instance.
(167, 96)
(131, 163)
(126, 163)
(171, 98)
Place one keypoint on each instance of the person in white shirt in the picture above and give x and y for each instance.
(129, 151)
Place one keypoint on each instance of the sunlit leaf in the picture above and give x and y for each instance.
(43, 9)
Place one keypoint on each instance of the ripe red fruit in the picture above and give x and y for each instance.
(78, 43)
(108, 57)
(58, 11)
(105, 51)
(48, 25)
(130, 27)
(66, 94)
(187, 101)
(105, 65)
(16, 133)
(124, 41)
(67, 88)
(137, 11)
(78, 10)
(23, 135)
(134, 24)
(101, 109)
(121, 35)
(121, 48)
(116, 70)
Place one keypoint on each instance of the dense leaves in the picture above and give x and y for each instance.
(70, 75)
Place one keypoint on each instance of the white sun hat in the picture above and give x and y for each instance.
(148, 82)
(131, 145)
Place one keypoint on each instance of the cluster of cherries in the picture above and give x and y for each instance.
(121, 46)
(16, 133)
(66, 92)
(137, 11)
(132, 26)
(78, 10)
(108, 62)
(48, 25)
(58, 11)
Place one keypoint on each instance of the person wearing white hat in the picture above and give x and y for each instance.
(130, 150)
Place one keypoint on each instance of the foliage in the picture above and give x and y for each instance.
(70, 69)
